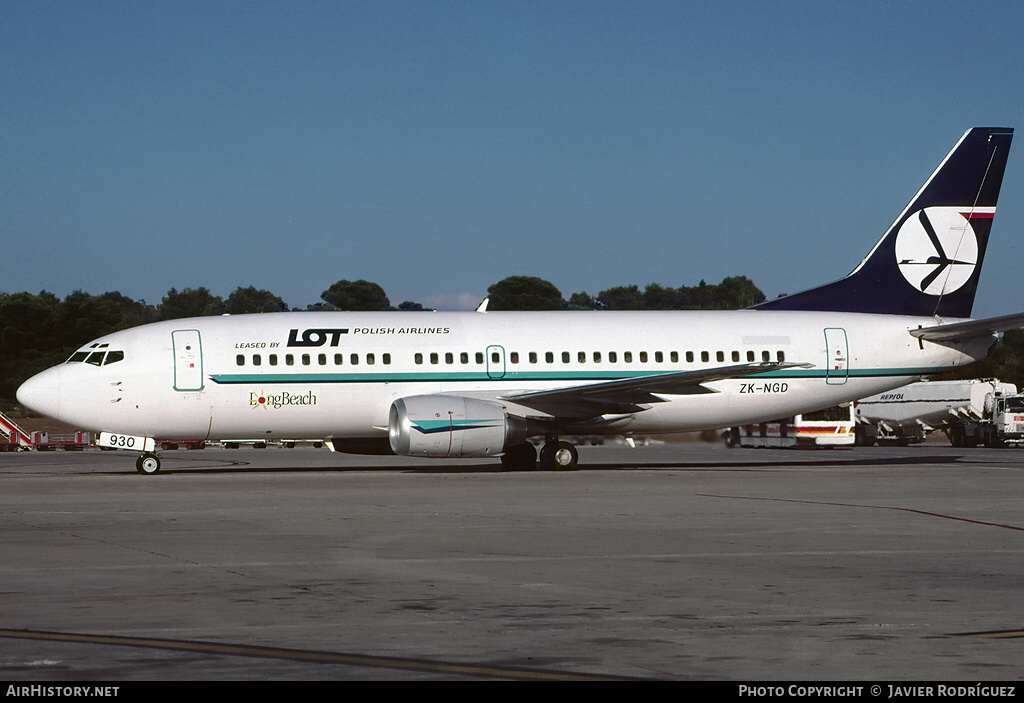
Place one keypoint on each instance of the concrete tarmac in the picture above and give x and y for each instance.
(676, 561)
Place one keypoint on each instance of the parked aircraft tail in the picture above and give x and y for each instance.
(929, 261)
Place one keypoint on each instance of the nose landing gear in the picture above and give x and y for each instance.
(148, 463)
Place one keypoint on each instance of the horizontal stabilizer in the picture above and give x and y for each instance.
(629, 395)
(972, 329)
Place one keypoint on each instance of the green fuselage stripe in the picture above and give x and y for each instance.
(547, 376)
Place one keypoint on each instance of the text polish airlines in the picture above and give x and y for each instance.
(479, 384)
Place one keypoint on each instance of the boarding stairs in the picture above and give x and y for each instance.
(12, 437)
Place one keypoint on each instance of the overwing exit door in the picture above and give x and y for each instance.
(495, 361)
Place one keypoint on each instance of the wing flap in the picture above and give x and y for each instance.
(631, 395)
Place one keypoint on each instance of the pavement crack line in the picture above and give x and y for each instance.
(869, 507)
(310, 656)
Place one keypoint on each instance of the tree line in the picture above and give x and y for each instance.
(41, 330)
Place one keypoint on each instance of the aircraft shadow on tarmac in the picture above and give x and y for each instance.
(493, 467)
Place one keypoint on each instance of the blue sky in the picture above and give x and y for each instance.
(438, 147)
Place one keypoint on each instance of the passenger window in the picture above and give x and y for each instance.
(338, 358)
(354, 359)
(704, 356)
(434, 358)
(720, 356)
(765, 356)
(479, 357)
(256, 360)
(735, 356)
(449, 358)
(581, 357)
(627, 357)
(239, 360)
(533, 357)
(418, 358)
(659, 357)
(289, 360)
(643, 357)
(320, 359)
(495, 358)
(272, 359)
(674, 357)
(464, 358)
(612, 357)
(549, 357)
(689, 357)
(597, 357)
(386, 358)
(371, 359)
(305, 359)
(750, 356)
(781, 356)
(514, 357)
(565, 357)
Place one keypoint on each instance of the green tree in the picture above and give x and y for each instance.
(409, 306)
(191, 302)
(524, 293)
(621, 298)
(356, 295)
(737, 292)
(584, 301)
(39, 331)
(249, 300)
(1005, 362)
(658, 297)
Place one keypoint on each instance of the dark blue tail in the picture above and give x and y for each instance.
(929, 261)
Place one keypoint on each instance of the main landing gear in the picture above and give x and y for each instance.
(555, 455)
(148, 463)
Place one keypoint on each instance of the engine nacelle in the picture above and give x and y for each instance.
(452, 426)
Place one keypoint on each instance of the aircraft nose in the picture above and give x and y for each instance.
(41, 393)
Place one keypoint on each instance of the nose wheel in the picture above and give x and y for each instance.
(148, 463)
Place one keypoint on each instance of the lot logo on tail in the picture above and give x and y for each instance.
(937, 249)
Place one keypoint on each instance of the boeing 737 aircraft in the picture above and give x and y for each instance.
(479, 384)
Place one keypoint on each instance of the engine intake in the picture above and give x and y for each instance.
(452, 426)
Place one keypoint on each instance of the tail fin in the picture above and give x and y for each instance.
(929, 261)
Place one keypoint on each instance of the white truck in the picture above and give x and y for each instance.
(971, 412)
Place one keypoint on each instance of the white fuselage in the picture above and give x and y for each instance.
(335, 375)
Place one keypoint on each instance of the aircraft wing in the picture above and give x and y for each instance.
(958, 331)
(630, 395)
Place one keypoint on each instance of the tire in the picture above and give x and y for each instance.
(559, 456)
(148, 464)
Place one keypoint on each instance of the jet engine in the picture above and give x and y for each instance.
(452, 426)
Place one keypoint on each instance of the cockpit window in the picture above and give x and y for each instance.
(96, 358)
